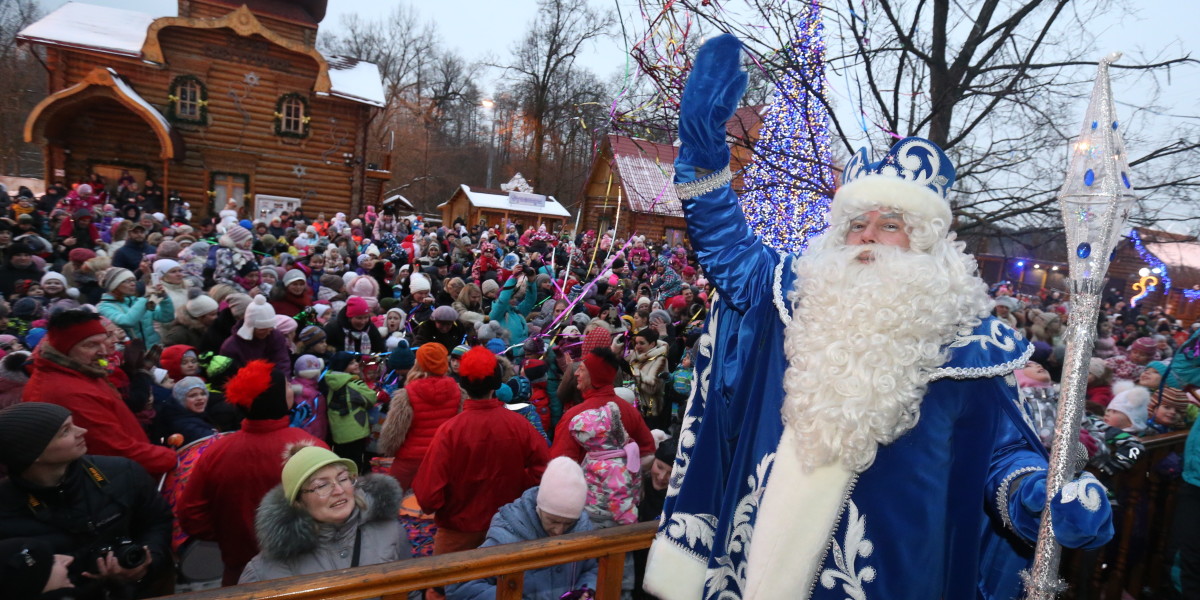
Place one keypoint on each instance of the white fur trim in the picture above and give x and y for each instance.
(873, 192)
(791, 535)
(672, 573)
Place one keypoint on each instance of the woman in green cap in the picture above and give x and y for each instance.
(325, 517)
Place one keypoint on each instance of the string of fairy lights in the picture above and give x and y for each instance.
(788, 185)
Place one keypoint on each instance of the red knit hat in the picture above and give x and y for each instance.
(601, 372)
(64, 339)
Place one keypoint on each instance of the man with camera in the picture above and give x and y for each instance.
(102, 510)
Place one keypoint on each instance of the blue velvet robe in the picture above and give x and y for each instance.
(932, 505)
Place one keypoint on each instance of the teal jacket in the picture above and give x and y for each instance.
(513, 319)
(136, 318)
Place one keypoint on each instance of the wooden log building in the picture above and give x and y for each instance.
(639, 173)
(514, 203)
(228, 100)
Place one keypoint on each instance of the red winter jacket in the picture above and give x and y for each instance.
(228, 483)
(434, 401)
(94, 403)
(635, 425)
(479, 461)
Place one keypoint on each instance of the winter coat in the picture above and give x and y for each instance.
(415, 413)
(294, 544)
(136, 317)
(428, 332)
(229, 481)
(90, 509)
(513, 318)
(10, 275)
(519, 522)
(177, 333)
(349, 400)
(339, 337)
(230, 260)
(635, 426)
(480, 460)
(130, 254)
(648, 370)
(610, 467)
(290, 305)
(310, 413)
(96, 405)
(273, 349)
(170, 417)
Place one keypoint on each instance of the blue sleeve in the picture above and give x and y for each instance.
(734, 259)
(1017, 455)
(478, 589)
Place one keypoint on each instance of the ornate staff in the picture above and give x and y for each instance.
(1095, 200)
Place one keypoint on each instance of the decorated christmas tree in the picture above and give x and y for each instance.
(787, 186)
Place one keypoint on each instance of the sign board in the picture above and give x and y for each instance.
(267, 207)
(526, 199)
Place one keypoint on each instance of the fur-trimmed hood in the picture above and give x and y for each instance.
(285, 531)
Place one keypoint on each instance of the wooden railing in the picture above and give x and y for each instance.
(507, 563)
(1136, 559)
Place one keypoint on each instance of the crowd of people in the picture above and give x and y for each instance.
(295, 379)
(510, 382)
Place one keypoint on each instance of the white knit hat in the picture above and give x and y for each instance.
(418, 283)
(162, 265)
(259, 315)
(200, 305)
(293, 275)
(563, 492)
(1133, 403)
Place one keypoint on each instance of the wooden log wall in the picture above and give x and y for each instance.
(303, 34)
(239, 136)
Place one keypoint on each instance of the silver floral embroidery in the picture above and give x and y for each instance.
(695, 406)
(1000, 336)
(981, 372)
(726, 580)
(777, 297)
(854, 544)
(1087, 490)
(1002, 492)
(697, 530)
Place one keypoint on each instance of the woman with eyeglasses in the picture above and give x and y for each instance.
(324, 517)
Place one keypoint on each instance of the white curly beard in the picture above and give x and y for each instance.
(864, 341)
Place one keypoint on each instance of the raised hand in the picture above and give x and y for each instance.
(711, 96)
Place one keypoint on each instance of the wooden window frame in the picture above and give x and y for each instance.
(289, 125)
(176, 98)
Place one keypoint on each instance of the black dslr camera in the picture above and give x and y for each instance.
(128, 554)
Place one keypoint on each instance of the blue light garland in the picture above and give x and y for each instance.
(1152, 260)
(785, 192)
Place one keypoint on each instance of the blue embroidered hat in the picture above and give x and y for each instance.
(914, 177)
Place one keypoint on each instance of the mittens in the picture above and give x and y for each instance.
(1082, 516)
(711, 96)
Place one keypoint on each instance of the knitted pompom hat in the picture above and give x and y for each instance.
(260, 390)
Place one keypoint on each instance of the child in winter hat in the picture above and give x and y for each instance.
(1129, 410)
(309, 410)
(259, 315)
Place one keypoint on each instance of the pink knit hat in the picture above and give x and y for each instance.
(563, 492)
(356, 307)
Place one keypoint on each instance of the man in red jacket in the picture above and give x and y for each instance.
(594, 376)
(478, 461)
(68, 370)
(230, 479)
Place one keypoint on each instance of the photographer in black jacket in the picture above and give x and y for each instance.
(104, 511)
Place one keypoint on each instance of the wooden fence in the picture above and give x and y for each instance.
(1136, 561)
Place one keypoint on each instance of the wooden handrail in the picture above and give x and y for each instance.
(507, 562)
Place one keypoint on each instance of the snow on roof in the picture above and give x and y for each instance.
(395, 197)
(355, 79)
(646, 170)
(484, 199)
(123, 32)
(132, 95)
(86, 26)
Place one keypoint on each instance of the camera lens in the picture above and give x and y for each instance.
(130, 556)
